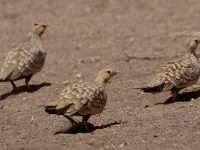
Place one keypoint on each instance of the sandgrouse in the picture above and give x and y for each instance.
(25, 60)
(82, 99)
(178, 73)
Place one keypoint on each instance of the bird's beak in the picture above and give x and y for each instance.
(47, 25)
(116, 72)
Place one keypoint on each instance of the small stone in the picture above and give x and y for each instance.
(94, 60)
(24, 98)
(107, 147)
(78, 46)
(66, 82)
(1, 107)
(82, 61)
(79, 76)
(146, 106)
(155, 136)
(123, 144)
(91, 143)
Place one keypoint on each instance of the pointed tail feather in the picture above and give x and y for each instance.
(1, 80)
(155, 89)
(51, 109)
(55, 108)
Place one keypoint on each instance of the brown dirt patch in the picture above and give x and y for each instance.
(85, 36)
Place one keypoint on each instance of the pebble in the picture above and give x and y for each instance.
(78, 46)
(123, 144)
(24, 98)
(66, 82)
(90, 60)
(79, 76)
(191, 104)
(155, 136)
(1, 107)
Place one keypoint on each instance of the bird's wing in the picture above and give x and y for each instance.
(183, 74)
(22, 61)
(178, 73)
(74, 97)
(175, 61)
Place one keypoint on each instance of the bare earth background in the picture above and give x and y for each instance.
(85, 36)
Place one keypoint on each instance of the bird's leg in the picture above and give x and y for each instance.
(174, 95)
(84, 121)
(71, 120)
(13, 85)
(27, 79)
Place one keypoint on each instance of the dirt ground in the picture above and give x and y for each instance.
(88, 35)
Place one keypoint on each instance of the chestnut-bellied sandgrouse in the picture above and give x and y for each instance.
(177, 74)
(82, 99)
(25, 60)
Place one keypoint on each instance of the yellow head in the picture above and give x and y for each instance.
(192, 44)
(39, 28)
(105, 75)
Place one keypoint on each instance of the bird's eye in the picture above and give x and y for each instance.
(109, 72)
(35, 24)
(44, 26)
(196, 40)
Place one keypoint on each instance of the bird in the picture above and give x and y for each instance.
(25, 60)
(83, 98)
(177, 74)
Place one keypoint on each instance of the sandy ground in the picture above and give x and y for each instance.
(85, 36)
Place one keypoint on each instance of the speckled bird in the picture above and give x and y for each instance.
(177, 74)
(23, 61)
(83, 99)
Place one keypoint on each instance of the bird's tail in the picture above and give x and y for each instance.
(155, 89)
(156, 85)
(1, 80)
(50, 109)
(55, 108)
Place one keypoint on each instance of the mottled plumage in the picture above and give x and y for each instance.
(83, 99)
(25, 60)
(179, 73)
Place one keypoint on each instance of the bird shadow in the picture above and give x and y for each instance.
(183, 97)
(30, 89)
(92, 128)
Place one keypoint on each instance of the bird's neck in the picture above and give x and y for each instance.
(36, 39)
(190, 53)
(100, 81)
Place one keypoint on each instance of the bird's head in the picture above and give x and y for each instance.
(192, 44)
(105, 75)
(39, 28)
